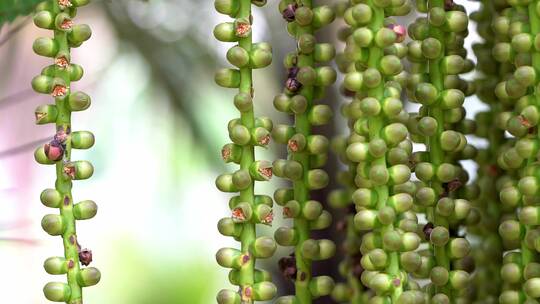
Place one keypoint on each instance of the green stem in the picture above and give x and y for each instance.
(248, 236)
(301, 192)
(63, 182)
(376, 125)
(436, 154)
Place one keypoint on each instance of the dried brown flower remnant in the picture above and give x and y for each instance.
(85, 256)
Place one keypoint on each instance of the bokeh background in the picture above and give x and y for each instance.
(160, 122)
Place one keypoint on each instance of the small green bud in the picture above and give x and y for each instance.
(370, 106)
(509, 297)
(283, 195)
(426, 196)
(322, 222)
(306, 43)
(372, 78)
(426, 93)
(354, 81)
(228, 78)
(57, 292)
(326, 76)
(241, 179)
(532, 287)
(45, 47)
(78, 101)
(381, 283)
(385, 37)
(401, 202)
(391, 65)
(51, 198)
(317, 179)
(53, 224)
(528, 185)
(324, 52)
(365, 219)
(263, 247)
(225, 32)
(361, 13)
(321, 286)
(510, 230)
(522, 43)
(82, 140)
(431, 48)
(511, 273)
(459, 248)
(427, 126)
(88, 277)
(410, 261)
(79, 33)
(260, 58)
(439, 276)
(320, 115)
(394, 133)
(392, 107)
(304, 16)
(238, 56)
(85, 210)
(226, 296)
(445, 206)
(307, 75)
(225, 184)
(317, 144)
(286, 236)
(399, 174)
(452, 98)
(525, 75)
(322, 16)
(439, 236)
(56, 266)
(227, 7)
(459, 279)
(44, 19)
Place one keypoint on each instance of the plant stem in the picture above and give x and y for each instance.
(248, 153)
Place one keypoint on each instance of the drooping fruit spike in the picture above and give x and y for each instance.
(305, 83)
(246, 133)
(56, 15)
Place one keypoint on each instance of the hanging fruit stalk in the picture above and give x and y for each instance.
(519, 231)
(437, 58)
(381, 149)
(55, 80)
(306, 82)
(351, 290)
(246, 133)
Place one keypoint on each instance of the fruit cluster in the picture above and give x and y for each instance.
(246, 133)
(55, 80)
(306, 82)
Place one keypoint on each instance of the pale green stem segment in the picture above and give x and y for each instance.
(376, 124)
(436, 154)
(301, 192)
(247, 271)
(63, 181)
